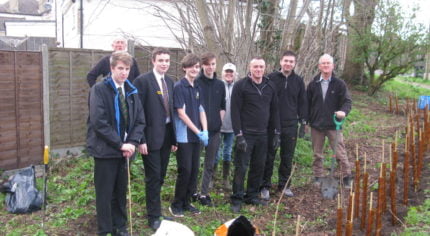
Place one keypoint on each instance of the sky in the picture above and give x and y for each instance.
(423, 15)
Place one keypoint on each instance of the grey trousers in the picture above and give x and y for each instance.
(318, 139)
(210, 155)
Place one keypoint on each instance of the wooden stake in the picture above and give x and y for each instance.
(371, 216)
(393, 196)
(406, 176)
(379, 204)
(364, 201)
(298, 226)
(339, 217)
(357, 188)
(397, 104)
(348, 228)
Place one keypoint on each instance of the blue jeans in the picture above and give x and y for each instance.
(225, 147)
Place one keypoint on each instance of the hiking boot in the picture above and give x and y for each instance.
(176, 212)
(317, 182)
(257, 202)
(195, 197)
(264, 194)
(235, 207)
(347, 182)
(288, 193)
(205, 201)
(225, 175)
(192, 209)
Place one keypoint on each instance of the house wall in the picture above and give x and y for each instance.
(106, 20)
(30, 28)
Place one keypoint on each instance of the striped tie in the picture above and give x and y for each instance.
(165, 97)
(123, 105)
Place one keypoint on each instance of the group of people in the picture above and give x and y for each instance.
(157, 116)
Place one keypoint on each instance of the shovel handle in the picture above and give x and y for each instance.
(338, 123)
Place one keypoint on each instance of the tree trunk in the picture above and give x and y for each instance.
(268, 9)
(357, 24)
(208, 28)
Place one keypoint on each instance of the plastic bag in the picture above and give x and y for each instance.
(172, 228)
(22, 195)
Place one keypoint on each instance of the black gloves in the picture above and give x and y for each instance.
(241, 143)
(276, 141)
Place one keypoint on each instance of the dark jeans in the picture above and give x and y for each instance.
(110, 180)
(188, 159)
(288, 146)
(210, 155)
(255, 158)
(155, 164)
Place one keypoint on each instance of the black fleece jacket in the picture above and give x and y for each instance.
(321, 111)
(213, 100)
(103, 68)
(254, 108)
(292, 98)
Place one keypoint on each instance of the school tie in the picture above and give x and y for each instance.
(123, 104)
(165, 97)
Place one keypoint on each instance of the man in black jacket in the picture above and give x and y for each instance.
(214, 104)
(156, 95)
(115, 127)
(292, 110)
(328, 95)
(254, 108)
(103, 66)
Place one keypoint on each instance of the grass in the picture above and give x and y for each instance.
(403, 90)
(413, 79)
(418, 220)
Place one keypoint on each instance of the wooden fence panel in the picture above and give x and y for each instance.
(21, 115)
(69, 95)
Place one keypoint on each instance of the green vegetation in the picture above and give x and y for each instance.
(418, 219)
(71, 197)
(403, 90)
(413, 79)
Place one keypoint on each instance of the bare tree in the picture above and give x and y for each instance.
(236, 30)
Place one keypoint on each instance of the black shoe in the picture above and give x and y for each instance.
(192, 209)
(176, 212)
(205, 201)
(347, 181)
(235, 207)
(123, 232)
(195, 197)
(257, 202)
(167, 218)
(317, 182)
(154, 224)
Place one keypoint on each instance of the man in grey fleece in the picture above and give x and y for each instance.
(227, 135)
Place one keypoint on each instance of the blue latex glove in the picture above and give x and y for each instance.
(204, 137)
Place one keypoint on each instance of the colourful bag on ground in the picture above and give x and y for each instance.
(239, 226)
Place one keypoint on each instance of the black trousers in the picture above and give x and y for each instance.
(254, 158)
(288, 146)
(210, 156)
(110, 180)
(188, 159)
(155, 165)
